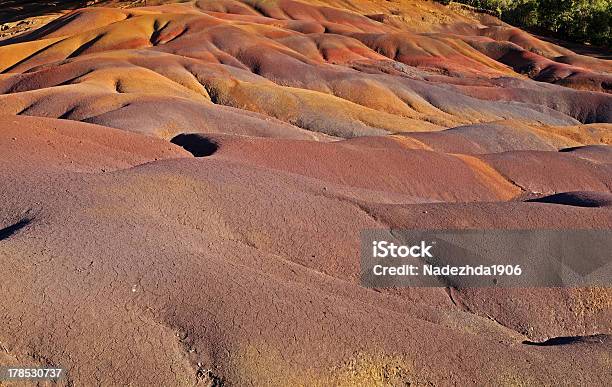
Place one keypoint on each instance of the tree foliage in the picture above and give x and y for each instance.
(588, 21)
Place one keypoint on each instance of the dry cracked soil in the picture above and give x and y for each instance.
(183, 186)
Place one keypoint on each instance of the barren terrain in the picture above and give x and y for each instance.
(183, 188)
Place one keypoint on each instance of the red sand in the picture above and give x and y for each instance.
(127, 260)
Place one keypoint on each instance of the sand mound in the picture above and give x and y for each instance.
(550, 172)
(184, 187)
(596, 153)
(315, 67)
(33, 143)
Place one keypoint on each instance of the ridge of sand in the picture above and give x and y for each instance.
(184, 186)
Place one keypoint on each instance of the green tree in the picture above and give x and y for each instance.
(588, 21)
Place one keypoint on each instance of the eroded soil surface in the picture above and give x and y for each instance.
(184, 185)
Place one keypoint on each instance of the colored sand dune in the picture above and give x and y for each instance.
(184, 186)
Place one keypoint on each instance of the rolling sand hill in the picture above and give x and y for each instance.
(183, 187)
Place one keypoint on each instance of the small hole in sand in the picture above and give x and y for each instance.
(196, 144)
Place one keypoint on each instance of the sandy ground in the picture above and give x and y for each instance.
(184, 186)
